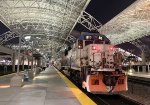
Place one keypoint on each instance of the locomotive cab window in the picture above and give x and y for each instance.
(98, 42)
(87, 42)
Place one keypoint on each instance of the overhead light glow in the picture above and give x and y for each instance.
(38, 49)
(38, 38)
(131, 24)
(27, 38)
(56, 18)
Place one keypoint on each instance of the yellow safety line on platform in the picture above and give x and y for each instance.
(7, 75)
(83, 98)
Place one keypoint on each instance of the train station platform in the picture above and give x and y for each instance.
(50, 87)
(142, 75)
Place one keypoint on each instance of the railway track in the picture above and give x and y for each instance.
(103, 99)
(117, 99)
(139, 80)
(113, 99)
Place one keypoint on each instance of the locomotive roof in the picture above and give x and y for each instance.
(83, 34)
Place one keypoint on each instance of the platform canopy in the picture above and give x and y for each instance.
(48, 22)
(133, 23)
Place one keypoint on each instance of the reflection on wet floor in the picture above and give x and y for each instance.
(44, 89)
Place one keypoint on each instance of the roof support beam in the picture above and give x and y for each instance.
(89, 22)
(6, 50)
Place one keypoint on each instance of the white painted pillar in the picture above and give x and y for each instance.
(23, 62)
(19, 55)
(143, 58)
(138, 69)
(13, 62)
(143, 61)
(28, 61)
(16, 81)
(32, 62)
(148, 67)
(32, 58)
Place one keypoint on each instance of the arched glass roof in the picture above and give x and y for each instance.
(131, 24)
(51, 20)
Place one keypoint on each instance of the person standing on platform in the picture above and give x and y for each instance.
(5, 69)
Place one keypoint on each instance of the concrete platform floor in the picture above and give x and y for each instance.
(46, 89)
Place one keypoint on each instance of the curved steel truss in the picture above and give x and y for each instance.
(89, 21)
(55, 18)
(7, 36)
(131, 24)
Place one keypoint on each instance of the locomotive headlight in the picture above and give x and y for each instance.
(79, 46)
(111, 48)
(88, 37)
(101, 38)
(93, 48)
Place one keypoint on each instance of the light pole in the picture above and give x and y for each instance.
(32, 58)
(19, 55)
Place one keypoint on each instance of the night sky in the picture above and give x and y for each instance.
(104, 10)
(3, 28)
